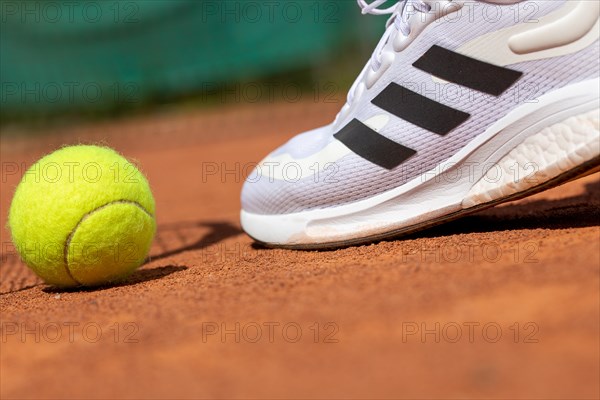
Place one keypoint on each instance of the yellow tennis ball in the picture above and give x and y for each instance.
(82, 215)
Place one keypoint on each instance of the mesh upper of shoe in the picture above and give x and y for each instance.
(356, 178)
(306, 143)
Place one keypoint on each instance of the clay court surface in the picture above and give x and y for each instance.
(501, 304)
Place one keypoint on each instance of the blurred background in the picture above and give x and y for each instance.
(74, 60)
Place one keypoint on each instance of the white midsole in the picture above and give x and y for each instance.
(567, 117)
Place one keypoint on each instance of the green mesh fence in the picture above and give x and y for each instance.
(70, 55)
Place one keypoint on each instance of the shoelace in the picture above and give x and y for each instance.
(399, 20)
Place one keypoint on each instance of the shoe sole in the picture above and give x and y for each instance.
(537, 146)
(586, 169)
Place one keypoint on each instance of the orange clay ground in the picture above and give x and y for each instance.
(502, 304)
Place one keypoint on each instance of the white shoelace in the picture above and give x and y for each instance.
(399, 21)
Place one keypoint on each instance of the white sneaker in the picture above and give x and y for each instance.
(463, 105)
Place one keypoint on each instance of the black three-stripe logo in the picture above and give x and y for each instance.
(422, 111)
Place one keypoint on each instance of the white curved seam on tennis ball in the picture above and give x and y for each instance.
(85, 216)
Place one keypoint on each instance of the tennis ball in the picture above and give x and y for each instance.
(82, 216)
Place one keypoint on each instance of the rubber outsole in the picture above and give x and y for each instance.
(582, 170)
